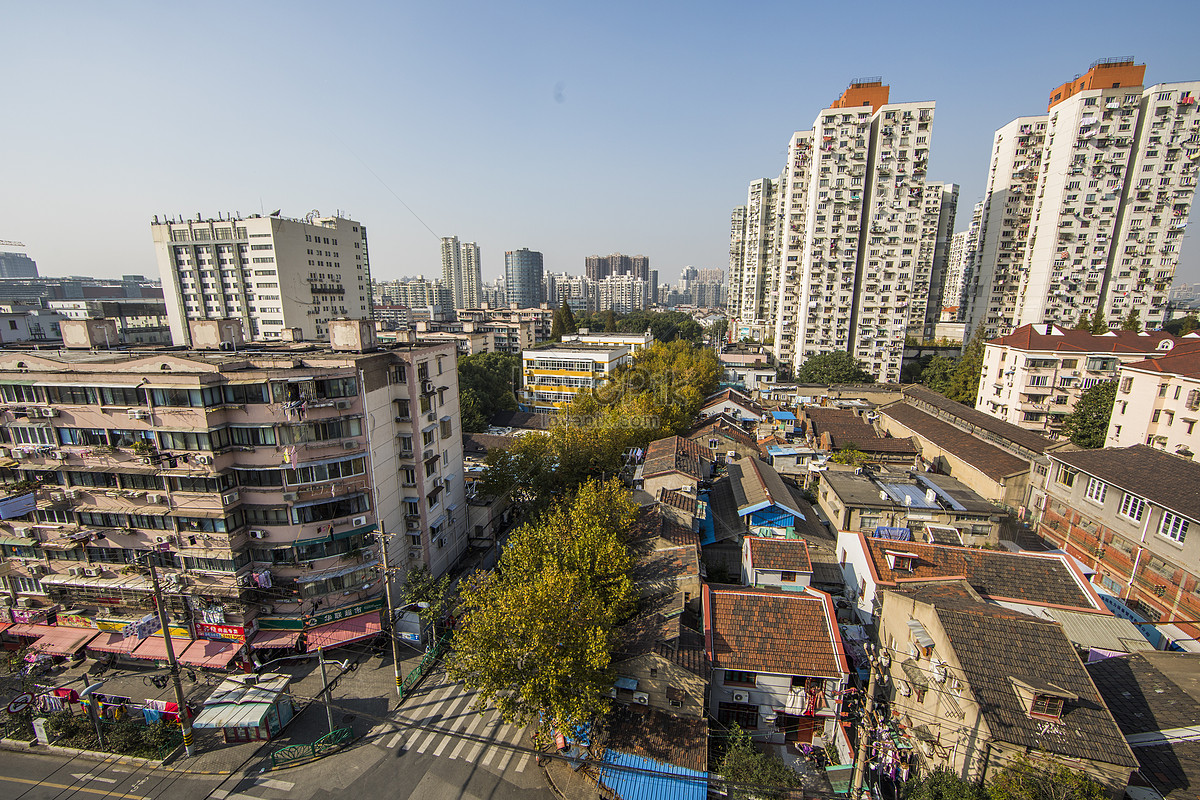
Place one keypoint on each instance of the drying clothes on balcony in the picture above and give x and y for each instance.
(262, 579)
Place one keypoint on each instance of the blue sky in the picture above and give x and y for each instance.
(570, 128)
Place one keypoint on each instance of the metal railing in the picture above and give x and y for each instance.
(427, 662)
(321, 747)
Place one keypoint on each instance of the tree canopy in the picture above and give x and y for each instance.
(667, 326)
(485, 386)
(563, 323)
(421, 587)
(744, 764)
(536, 635)
(836, 367)
(1087, 424)
(1183, 325)
(943, 784)
(1132, 321)
(963, 386)
(1043, 780)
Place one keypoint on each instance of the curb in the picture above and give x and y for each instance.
(106, 758)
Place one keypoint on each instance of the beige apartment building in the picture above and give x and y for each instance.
(1158, 402)
(282, 278)
(256, 480)
(1086, 204)
(552, 376)
(1033, 376)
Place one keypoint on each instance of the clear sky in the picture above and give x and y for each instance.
(570, 128)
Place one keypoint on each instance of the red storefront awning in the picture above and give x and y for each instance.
(345, 631)
(31, 630)
(265, 639)
(208, 653)
(108, 642)
(63, 641)
(153, 648)
(5, 626)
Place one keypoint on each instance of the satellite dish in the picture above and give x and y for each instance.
(276, 212)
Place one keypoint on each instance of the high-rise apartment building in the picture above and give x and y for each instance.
(461, 272)
(255, 484)
(1086, 205)
(937, 229)
(959, 265)
(598, 268)
(621, 294)
(270, 273)
(14, 263)
(523, 277)
(841, 256)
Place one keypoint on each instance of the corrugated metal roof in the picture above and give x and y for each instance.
(920, 634)
(1100, 630)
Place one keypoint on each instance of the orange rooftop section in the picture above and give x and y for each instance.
(1108, 73)
(866, 92)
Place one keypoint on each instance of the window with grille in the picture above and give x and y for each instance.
(1132, 507)
(1096, 490)
(1173, 527)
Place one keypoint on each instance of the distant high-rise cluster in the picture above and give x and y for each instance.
(1086, 204)
(14, 263)
(461, 271)
(598, 268)
(839, 251)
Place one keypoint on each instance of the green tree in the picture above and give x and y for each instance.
(938, 374)
(1099, 324)
(1087, 424)
(1182, 326)
(563, 322)
(536, 635)
(421, 587)
(718, 332)
(610, 321)
(964, 385)
(849, 455)
(485, 386)
(943, 784)
(744, 764)
(1084, 323)
(836, 367)
(1044, 780)
(1132, 321)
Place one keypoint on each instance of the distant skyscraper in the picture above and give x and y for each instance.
(1086, 204)
(958, 265)
(269, 272)
(600, 267)
(461, 271)
(754, 237)
(523, 277)
(940, 203)
(15, 264)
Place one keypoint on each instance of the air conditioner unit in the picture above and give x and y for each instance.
(18, 454)
(229, 499)
(136, 413)
(23, 533)
(57, 497)
(202, 459)
(289, 497)
(351, 444)
(75, 571)
(257, 533)
(414, 554)
(183, 581)
(431, 416)
(92, 572)
(641, 698)
(3, 452)
(362, 520)
(156, 498)
(343, 404)
(49, 411)
(60, 455)
(741, 697)
(71, 494)
(427, 387)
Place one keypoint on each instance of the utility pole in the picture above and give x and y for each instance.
(325, 689)
(864, 728)
(185, 719)
(391, 609)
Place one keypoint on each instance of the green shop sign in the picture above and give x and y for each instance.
(313, 620)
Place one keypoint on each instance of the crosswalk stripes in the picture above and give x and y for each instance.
(461, 732)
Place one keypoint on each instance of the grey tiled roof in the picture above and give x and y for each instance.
(1163, 479)
(989, 459)
(754, 482)
(967, 416)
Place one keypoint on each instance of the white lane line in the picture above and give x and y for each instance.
(283, 786)
(492, 715)
(508, 754)
(428, 720)
(463, 742)
(395, 741)
(521, 764)
(83, 776)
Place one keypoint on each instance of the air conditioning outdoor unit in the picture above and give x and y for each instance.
(359, 521)
(641, 698)
(427, 387)
(350, 444)
(204, 459)
(257, 533)
(741, 697)
(136, 413)
(92, 572)
(289, 497)
(71, 494)
(414, 554)
(229, 499)
(49, 411)
(431, 416)
(343, 404)
(75, 571)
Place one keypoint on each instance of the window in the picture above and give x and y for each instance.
(1173, 527)
(787, 577)
(1096, 489)
(1045, 705)
(738, 678)
(1132, 507)
(1066, 476)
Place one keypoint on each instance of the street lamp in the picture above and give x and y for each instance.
(91, 707)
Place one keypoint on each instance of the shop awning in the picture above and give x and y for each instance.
(28, 630)
(345, 631)
(265, 639)
(153, 648)
(209, 653)
(108, 642)
(64, 641)
(5, 626)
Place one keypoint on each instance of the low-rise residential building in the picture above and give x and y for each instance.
(552, 376)
(978, 687)
(733, 404)
(935, 508)
(778, 563)
(725, 438)
(1021, 581)
(766, 504)
(834, 429)
(254, 479)
(1158, 402)
(778, 666)
(674, 463)
(989, 455)
(633, 341)
(1127, 513)
(1033, 377)
(1155, 699)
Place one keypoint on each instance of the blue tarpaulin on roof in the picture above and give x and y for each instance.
(708, 527)
(783, 416)
(895, 534)
(657, 780)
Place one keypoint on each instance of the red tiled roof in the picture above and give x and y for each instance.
(734, 396)
(677, 454)
(677, 499)
(847, 428)
(1183, 360)
(789, 555)
(722, 425)
(786, 633)
(1034, 337)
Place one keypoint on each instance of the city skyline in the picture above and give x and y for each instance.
(91, 141)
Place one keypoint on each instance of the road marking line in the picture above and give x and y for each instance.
(470, 730)
(83, 776)
(490, 715)
(283, 786)
(446, 740)
(395, 741)
(219, 794)
(521, 764)
(424, 745)
(101, 792)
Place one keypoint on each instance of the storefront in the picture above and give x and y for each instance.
(248, 707)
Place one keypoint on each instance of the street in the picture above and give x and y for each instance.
(392, 760)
